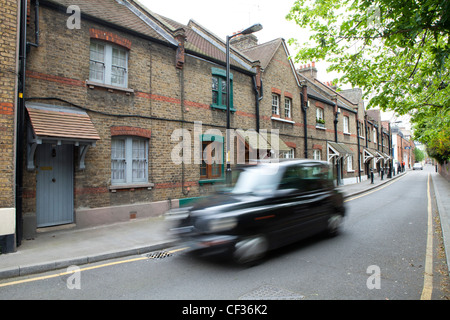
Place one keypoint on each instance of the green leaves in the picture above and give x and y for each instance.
(397, 51)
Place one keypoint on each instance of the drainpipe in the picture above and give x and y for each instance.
(359, 146)
(180, 60)
(21, 120)
(259, 94)
(304, 102)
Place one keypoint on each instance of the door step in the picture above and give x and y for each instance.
(56, 228)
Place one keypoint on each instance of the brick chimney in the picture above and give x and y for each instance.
(308, 70)
(243, 42)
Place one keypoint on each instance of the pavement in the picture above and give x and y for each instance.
(59, 249)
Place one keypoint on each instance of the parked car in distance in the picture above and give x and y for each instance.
(271, 205)
(417, 166)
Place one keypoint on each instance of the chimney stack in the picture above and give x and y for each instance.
(308, 70)
(244, 41)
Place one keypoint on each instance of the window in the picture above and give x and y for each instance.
(319, 115)
(108, 64)
(287, 107)
(129, 160)
(361, 130)
(320, 121)
(211, 156)
(275, 104)
(349, 163)
(219, 89)
(288, 154)
(374, 135)
(346, 122)
(317, 154)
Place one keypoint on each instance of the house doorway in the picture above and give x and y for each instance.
(54, 184)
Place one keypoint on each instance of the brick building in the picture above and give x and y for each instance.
(126, 113)
(9, 68)
(104, 100)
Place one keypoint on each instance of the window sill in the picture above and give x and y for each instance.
(131, 187)
(347, 133)
(321, 128)
(282, 120)
(92, 85)
(210, 181)
(220, 107)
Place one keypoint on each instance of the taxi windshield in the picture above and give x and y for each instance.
(258, 180)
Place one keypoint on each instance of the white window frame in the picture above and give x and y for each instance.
(374, 135)
(288, 107)
(275, 104)
(288, 154)
(345, 122)
(108, 64)
(128, 161)
(319, 114)
(350, 164)
(317, 154)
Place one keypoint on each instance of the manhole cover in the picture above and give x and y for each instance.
(268, 292)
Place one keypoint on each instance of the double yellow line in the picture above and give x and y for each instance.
(428, 277)
(81, 269)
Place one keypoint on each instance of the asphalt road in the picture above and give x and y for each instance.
(380, 254)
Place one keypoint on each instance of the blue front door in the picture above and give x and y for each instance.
(54, 186)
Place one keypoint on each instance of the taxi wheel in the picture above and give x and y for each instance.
(334, 224)
(250, 250)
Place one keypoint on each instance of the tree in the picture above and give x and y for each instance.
(419, 155)
(396, 51)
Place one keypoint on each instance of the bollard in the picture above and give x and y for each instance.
(382, 172)
(371, 176)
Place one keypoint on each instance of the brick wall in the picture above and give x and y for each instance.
(8, 70)
(163, 96)
(279, 79)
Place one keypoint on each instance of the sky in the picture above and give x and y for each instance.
(229, 16)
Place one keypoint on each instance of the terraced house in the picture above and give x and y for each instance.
(104, 101)
(125, 114)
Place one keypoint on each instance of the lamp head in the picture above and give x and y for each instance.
(254, 28)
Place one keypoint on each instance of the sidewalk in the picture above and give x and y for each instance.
(60, 249)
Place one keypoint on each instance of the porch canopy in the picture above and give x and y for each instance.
(338, 150)
(368, 155)
(59, 125)
(264, 141)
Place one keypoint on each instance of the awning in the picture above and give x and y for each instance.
(59, 125)
(379, 156)
(337, 149)
(368, 155)
(253, 139)
(386, 156)
(263, 141)
(278, 144)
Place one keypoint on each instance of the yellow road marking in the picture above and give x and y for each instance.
(428, 276)
(81, 269)
(376, 189)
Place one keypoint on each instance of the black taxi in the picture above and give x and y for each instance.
(270, 205)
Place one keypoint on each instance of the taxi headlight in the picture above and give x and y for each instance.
(222, 224)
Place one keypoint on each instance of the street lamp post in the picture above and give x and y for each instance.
(250, 30)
